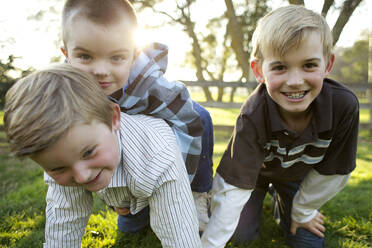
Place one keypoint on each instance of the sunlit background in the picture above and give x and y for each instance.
(35, 39)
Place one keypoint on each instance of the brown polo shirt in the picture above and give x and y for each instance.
(328, 144)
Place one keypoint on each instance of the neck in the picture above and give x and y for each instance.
(297, 121)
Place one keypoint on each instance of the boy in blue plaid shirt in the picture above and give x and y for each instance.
(98, 38)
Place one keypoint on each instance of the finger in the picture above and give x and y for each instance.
(317, 233)
(293, 228)
(122, 211)
(320, 228)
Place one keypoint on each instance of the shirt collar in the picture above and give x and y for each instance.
(322, 118)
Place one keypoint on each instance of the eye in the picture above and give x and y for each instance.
(88, 153)
(85, 57)
(58, 170)
(118, 58)
(310, 65)
(278, 68)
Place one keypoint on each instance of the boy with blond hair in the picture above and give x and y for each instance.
(98, 39)
(297, 131)
(61, 119)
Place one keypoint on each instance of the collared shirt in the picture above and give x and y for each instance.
(151, 172)
(325, 152)
(328, 144)
(149, 92)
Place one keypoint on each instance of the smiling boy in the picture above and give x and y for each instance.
(98, 39)
(297, 131)
(61, 119)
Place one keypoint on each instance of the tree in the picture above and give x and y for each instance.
(225, 42)
(351, 64)
(224, 37)
(6, 81)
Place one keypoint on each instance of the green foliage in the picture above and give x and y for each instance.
(6, 81)
(351, 64)
(22, 203)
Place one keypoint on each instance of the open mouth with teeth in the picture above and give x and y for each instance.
(295, 95)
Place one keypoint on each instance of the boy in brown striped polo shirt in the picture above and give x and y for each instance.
(298, 131)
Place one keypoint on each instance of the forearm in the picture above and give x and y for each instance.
(67, 213)
(173, 215)
(227, 204)
(314, 192)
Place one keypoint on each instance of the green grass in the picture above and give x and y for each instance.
(22, 204)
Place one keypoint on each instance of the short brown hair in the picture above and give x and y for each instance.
(41, 107)
(102, 12)
(285, 28)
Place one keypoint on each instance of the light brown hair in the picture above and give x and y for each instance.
(100, 12)
(284, 29)
(41, 107)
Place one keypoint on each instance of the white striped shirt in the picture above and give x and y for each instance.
(151, 172)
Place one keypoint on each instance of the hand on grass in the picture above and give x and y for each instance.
(315, 225)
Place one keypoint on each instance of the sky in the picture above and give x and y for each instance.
(35, 44)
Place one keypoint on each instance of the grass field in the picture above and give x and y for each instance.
(22, 194)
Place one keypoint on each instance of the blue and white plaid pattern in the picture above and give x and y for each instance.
(148, 92)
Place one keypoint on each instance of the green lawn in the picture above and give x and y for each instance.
(22, 193)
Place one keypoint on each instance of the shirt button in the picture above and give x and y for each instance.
(286, 133)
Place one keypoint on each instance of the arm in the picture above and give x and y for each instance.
(227, 204)
(314, 192)
(172, 211)
(67, 214)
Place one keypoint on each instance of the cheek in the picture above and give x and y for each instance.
(63, 179)
(80, 66)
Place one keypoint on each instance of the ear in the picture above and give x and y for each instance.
(329, 65)
(257, 71)
(115, 117)
(64, 51)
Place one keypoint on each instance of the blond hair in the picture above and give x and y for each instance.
(285, 28)
(41, 107)
(101, 12)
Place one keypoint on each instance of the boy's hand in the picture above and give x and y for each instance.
(122, 211)
(315, 225)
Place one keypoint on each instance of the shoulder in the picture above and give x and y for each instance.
(256, 102)
(147, 129)
(343, 99)
(149, 153)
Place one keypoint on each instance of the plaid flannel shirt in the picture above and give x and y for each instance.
(148, 92)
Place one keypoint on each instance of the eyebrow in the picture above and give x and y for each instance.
(306, 61)
(112, 52)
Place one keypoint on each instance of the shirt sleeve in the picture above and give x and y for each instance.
(243, 158)
(67, 214)
(186, 124)
(227, 204)
(172, 211)
(315, 190)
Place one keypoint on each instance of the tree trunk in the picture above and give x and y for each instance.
(326, 6)
(347, 10)
(237, 40)
(196, 52)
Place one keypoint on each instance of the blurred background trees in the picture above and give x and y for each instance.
(219, 49)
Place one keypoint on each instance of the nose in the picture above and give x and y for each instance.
(100, 69)
(295, 78)
(81, 173)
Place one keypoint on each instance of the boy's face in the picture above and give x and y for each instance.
(295, 80)
(107, 52)
(86, 155)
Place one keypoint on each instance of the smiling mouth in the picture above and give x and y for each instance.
(95, 179)
(295, 95)
(104, 84)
